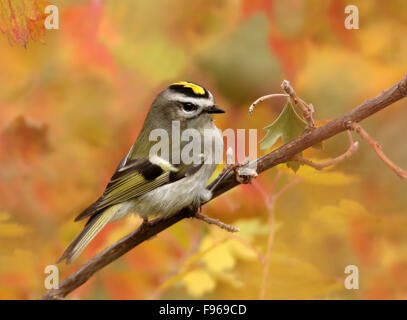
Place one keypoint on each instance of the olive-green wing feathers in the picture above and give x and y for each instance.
(132, 178)
(136, 177)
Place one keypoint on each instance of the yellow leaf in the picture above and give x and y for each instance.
(335, 219)
(198, 282)
(241, 250)
(251, 227)
(324, 177)
(10, 229)
(20, 260)
(292, 278)
(219, 252)
(219, 258)
(230, 279)
(345, 210)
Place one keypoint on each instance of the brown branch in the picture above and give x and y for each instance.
(217, 222)
(331, 162)
(378, 149)
(307, 109)
(283, 154)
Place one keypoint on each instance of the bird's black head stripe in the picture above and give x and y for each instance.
(190, 89)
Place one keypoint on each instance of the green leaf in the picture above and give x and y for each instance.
(289, 125)
(294, 165)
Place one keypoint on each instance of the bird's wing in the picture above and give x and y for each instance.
(136, 177)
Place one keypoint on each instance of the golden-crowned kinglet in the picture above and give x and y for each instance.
(149, 183)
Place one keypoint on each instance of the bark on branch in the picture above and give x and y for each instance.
(283, 154)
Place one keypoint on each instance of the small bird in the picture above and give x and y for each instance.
(150, 184)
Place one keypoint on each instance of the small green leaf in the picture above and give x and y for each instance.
(293, 165)
(288, 126)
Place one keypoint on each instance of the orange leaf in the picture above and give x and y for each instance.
(22, 20)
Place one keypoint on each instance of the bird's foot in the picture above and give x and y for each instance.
(244, 173)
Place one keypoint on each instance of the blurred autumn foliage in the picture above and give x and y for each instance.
(72, 103)
(23, 20)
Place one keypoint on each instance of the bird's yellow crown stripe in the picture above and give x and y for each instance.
(197, 89)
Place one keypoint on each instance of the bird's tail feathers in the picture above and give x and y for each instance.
(91, 229)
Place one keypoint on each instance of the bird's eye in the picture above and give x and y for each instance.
(189, 107)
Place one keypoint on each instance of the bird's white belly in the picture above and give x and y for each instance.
(169, 199)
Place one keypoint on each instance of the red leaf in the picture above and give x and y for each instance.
(25, 138)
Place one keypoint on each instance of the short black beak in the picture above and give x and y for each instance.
(214, 109)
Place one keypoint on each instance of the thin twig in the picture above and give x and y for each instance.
(275, 181)
(321, 165)
(263, 98)
(270, 201)
(307, 109)
(293, 182)
(378, 149)
(217, 222)
(283, 154)
(270, 241)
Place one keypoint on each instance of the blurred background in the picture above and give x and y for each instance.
(72, 102)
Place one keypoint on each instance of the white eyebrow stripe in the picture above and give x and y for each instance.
(203, 102)
(210, 95)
